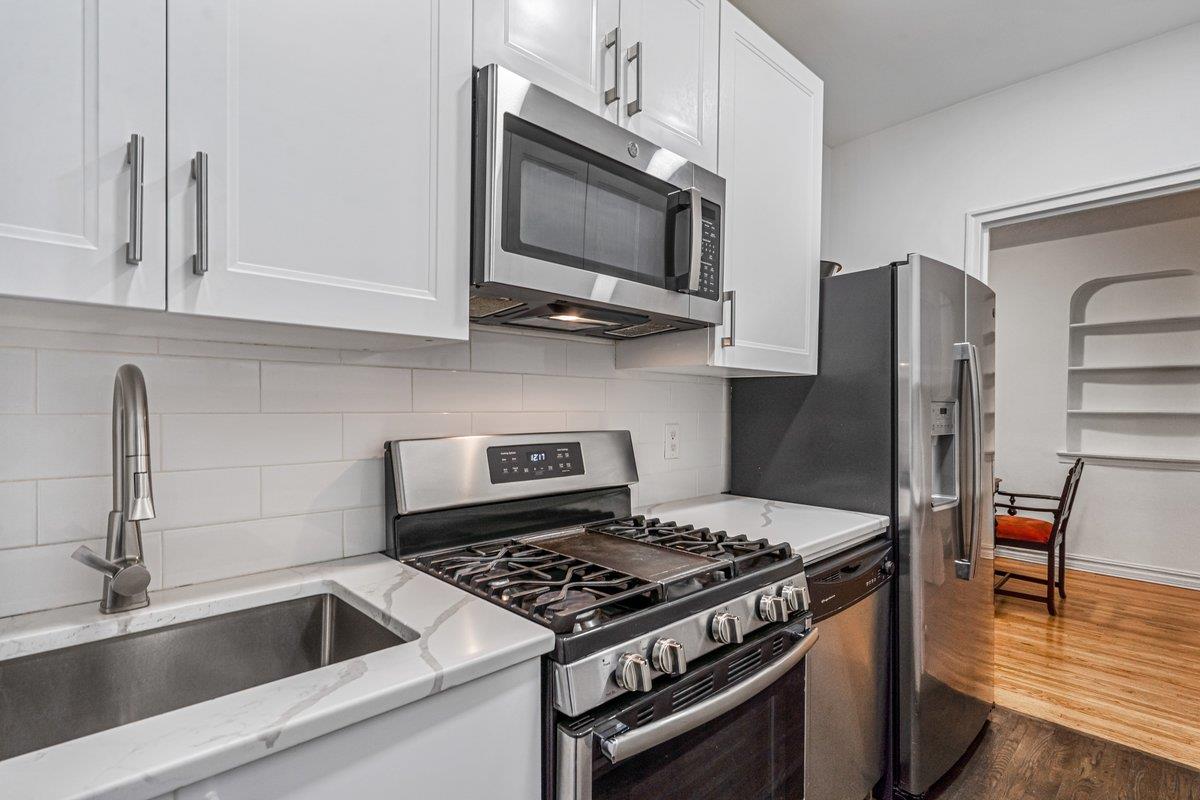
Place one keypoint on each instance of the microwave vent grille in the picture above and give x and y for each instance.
(645, 329)
(483, 306)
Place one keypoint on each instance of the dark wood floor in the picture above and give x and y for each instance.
(1022, 758)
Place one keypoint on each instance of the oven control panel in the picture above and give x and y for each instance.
(531, 462)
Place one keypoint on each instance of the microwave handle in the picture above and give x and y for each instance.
(639, 740)
(697, 239)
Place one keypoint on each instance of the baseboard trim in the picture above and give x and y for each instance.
(1118, 569)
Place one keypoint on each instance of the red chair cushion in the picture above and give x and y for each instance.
(1025, 529)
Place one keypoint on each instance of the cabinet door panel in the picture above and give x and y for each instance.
(76, 80)
(770, 154)
(338, 144)
(679, 44)
(557, 44)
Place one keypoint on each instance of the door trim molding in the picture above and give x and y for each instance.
(979, 222)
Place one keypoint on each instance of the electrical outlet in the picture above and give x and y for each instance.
(671, 441)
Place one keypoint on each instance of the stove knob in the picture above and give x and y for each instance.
(796, 597)
(633, 673)
(772, 608)
(726, 628)
(668, 657)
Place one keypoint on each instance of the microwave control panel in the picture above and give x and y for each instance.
(710, 252)
(531, 462)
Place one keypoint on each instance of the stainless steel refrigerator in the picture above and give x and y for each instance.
(899, 421)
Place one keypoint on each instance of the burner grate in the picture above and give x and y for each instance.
(743, 553)
(566, 594)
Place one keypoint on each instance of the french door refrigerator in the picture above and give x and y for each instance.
(899, 421)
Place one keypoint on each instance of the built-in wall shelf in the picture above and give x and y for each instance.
(1135, 368)
(1133, 372)
(1147, 323)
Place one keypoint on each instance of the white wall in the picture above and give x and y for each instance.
(267, 457)
(1136, 521)
(1124, 114)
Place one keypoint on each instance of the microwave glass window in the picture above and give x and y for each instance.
(566, 204)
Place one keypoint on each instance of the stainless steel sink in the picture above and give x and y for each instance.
(52, 697)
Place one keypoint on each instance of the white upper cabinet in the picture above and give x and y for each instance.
(337, 142)
(569, 47)
(650, 65)
(78, 80)
(770, 156)
(670, 67)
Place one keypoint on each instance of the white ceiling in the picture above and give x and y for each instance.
(888, 61)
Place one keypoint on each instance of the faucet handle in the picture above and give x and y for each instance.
(127, 579)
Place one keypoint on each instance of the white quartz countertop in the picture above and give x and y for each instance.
(814, 532)
(455, 637)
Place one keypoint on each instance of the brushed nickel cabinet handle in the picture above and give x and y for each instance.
(635, 54)
(731, 325)
(612, 41)
(200, 175)
(135, 157)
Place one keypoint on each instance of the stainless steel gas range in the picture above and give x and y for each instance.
(678, 667)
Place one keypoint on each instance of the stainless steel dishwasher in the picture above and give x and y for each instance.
(847, 698)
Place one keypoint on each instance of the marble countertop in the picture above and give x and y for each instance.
(814, 532)
(456, 637)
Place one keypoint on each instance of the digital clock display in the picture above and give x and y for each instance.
(535, 457)
(531, 462)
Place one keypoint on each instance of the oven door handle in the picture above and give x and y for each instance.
(639, 740)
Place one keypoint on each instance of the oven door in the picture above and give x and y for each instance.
(731, 728)
(578, 209)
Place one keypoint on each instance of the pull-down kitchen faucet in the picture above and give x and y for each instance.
(125, 574)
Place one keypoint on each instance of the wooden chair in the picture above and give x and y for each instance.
(1031, 533)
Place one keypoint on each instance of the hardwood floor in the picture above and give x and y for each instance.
(1121, 662)
(1022, 758)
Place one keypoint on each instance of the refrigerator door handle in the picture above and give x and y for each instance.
(969, 543)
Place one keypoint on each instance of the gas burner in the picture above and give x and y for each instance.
(565, 593)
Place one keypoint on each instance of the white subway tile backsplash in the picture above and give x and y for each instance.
(504, 352)
(435, 356)
(203, 441)
(18, 514)
(363, 435)
(74, 340)
(667, 486)
(363, 531)
(34, 578)
(518, 422)
(636, 395)
(330, 387)
(74, 509)
(17, 381)
(71, 382)
(253, 352)
(465, 391)
(54, 446)
(550, 393)
(309, 488)
(194, 555)
(591, 360)
(698, 397)
(267, 456)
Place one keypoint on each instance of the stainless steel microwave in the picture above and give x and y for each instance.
(580, 226)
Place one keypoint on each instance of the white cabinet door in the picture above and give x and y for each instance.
(558, 44)
(674, 45)
(77, 80)
(770, 156)
(338, 145)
